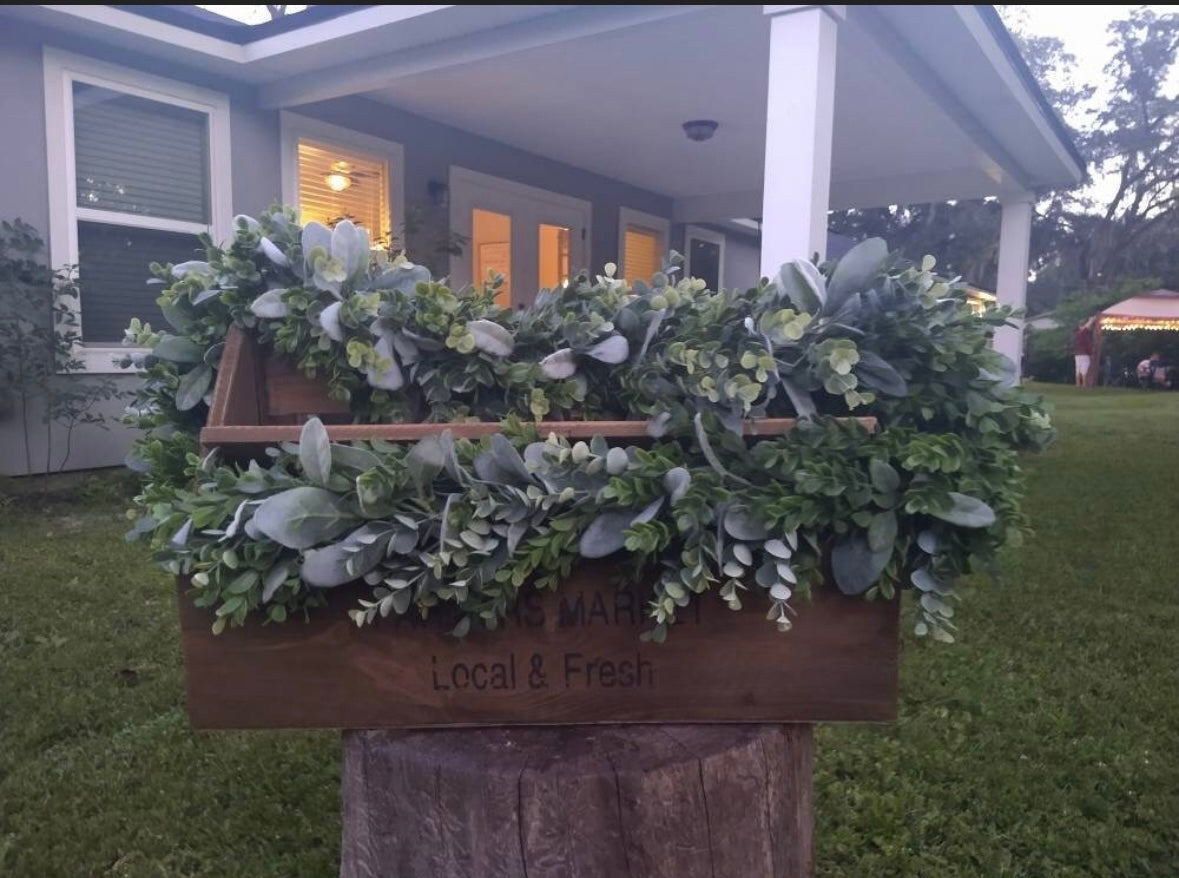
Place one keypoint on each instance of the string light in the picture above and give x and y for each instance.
(1126, 324)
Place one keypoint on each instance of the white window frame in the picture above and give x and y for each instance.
(628, 216)
(292, 127)
(711, 237)
(523, 203)
(61, 70)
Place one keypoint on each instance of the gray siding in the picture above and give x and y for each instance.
(742, 261)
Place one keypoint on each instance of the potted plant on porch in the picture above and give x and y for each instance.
(391, 503)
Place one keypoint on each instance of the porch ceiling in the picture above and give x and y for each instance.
(614, 103)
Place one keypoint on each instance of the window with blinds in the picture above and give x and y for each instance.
(338, 183)
(142, 195)
(642, 252)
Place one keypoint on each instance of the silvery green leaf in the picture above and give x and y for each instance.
(212, 356)
(491, 338)
(803, 284)
(780, 592)
(924, 580)
(653, 323)
(786, 572)
(247, 222)
(315, 452)
(426, 459)
(606, 534)
(404, 541)
(178, 349)
(885, 479)
(613, 350)
(391, 377)
(559, 364)
(205, 295)
(502, 464)
(967, 512)
(403, 278)
(927, 542)
(855, 271)
(193, 386)
(778, 549)
(741, 525)
(616, 461)
(134, 462)
(676, 482)
(882, 532)
(177, 315)
(347, 560)
(236, 521)
(270, 250)
(186, 268)
(444, 520)
(274, 578)
(450, 457)
(270, 305)
(657, 426)
(649, 511)
(300, 518)
(804, 405)
(316, 235)
(516, 532)
(180, 538)
(854, 564)
(742, 553)
(767, 575)
(329, 321)
(350, 247)
(709, 454)
(406, 348)
(877, 373)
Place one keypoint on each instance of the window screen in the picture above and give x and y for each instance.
(642, 253)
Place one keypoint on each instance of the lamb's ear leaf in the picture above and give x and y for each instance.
(855, 271)
(491, 338)
(315, 452)
(606, 534)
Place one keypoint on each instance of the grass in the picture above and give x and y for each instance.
(1045, 743)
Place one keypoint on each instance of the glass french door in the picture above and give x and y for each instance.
(534, 239)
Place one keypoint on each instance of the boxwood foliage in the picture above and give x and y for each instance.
(460, 527)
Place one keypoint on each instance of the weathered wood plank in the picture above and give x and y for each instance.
(569, 657)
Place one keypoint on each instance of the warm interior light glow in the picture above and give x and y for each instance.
(337, 182)
(1126, 324)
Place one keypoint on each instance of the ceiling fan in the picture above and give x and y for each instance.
(341, 175)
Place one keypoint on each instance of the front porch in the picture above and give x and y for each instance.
(570, 124)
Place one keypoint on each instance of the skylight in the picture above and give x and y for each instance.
(252, 14)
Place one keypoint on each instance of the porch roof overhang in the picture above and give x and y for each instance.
(931, 102)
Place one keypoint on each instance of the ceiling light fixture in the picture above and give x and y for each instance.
(700, 129)
(337, 181)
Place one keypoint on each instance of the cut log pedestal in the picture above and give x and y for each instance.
(663, 801)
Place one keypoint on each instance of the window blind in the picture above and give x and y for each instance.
(642, 253)
(366, 199)
(133, 155)
(113, 273)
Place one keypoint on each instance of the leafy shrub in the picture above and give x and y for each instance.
(931, 494)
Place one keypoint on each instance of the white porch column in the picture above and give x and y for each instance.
(1015, 234)
(800, 110)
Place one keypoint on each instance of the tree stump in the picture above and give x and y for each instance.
(687, 801)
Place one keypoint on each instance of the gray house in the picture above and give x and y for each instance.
(542, 138)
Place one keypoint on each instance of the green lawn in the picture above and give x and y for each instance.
(1044, 743)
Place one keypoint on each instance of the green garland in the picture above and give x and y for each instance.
(461, 526)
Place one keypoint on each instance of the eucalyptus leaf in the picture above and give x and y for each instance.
(741, 524)
(347, 560)
(855, 565)
(274, 578)
(616, 461)
(193, 266)
(606, 534)
(315, 452)
(882, 532)
(927, 542)
(300, 518)
(967, 512)
(352, 457)
(390, 377)
(193, 386)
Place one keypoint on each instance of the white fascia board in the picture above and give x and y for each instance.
(333, 29)
(973, 22)
(157, 31)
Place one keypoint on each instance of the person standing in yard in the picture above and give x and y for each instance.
(1083, 349)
